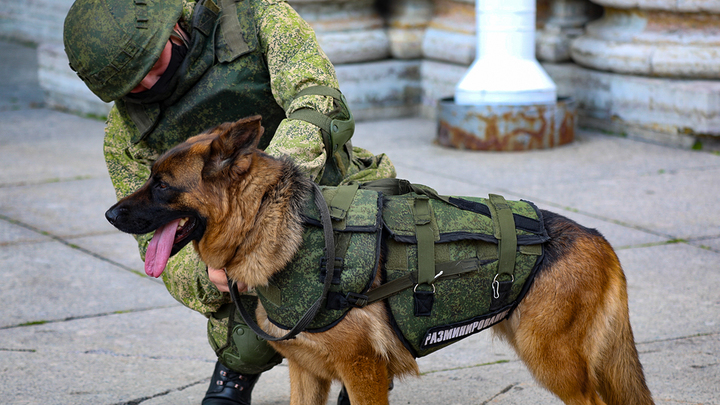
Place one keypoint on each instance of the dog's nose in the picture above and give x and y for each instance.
(114, 213)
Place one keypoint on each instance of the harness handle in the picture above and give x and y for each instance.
(336, 131)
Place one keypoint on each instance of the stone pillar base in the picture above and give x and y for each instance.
(438, 82)
(565, 21)
(681, 113)
(382, 89)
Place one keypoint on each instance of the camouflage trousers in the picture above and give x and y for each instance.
(237, 347)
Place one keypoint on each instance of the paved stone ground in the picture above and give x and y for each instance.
(81, 323)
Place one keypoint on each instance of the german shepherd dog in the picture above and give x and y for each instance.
(242, 209)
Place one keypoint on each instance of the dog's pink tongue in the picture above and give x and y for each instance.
(159, 248)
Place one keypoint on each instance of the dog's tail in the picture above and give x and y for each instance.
(620, 375)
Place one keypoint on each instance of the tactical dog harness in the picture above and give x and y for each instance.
(452, 266)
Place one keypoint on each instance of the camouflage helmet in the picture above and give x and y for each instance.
(113, 44)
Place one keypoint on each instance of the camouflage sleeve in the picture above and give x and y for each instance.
(185, 275)
(295, 62)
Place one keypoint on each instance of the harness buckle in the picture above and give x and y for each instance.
(337, 270)
(356, 300)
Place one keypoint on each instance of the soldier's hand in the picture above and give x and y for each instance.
(219, 278)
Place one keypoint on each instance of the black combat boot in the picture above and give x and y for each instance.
(229, 388)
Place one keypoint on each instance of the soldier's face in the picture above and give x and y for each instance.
(161, 65)
(157, 70)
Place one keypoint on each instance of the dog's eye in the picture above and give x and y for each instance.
(161, 185)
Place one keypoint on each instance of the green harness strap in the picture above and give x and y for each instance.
(230, 28)
(504, 225)
(425, 240)
(402, 186)
(336, 132)
(340, 203)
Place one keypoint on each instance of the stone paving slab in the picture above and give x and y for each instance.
(693, 368)
(707, 243)
(194, 394)
(273, 388)
(11, 233)
(80, 379)
(112, 359)
(667, 192)
(51, 281)
(682, 205)
(688, 378)
(45, 145)
(167, 332)
(591, 156)
(683, 371)
(68, 208)
(673, 291)
(474, 385)
(116, 246)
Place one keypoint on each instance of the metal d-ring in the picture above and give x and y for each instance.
(416, 285)
(432, 284)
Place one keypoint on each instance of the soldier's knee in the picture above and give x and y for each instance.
(237, 346)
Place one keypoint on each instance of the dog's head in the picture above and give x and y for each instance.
(186, 189)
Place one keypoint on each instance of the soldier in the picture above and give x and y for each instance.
(175, 68)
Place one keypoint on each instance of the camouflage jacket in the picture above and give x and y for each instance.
(294, 61)
(462, 255)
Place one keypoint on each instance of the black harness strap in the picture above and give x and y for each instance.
(330, 266)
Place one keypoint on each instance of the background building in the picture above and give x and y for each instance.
(645, 69)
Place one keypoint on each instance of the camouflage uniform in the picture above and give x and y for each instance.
(294, 61)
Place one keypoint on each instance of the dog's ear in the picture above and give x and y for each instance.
(230, 149)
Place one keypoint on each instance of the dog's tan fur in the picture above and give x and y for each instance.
(572, 330)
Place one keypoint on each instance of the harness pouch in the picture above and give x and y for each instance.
(466, 238)
(357, 234)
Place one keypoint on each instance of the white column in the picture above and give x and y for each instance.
(505, 70)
